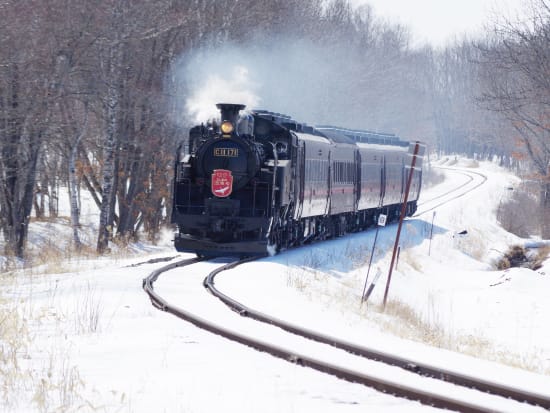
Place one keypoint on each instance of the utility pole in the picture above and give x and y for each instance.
(401, 218)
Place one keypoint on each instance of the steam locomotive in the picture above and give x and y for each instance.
(259, 182)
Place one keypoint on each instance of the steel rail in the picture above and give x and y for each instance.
(424, 369)
(470, 179)
(383, 385)
(460, 195)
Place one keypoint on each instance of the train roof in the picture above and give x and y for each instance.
(363, 136)
(314, 138)
(336, 136)
(334, 133)
(286, 121)
(381, 147)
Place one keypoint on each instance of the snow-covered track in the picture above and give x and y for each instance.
(395, 387)
(388, 358)
(474, 181)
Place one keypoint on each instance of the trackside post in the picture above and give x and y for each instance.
(431, 234)
(401, 218)
(373, 284)
(381, 223)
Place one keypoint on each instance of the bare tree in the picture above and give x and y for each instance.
(516, 76)
(85, 92)
(29, 79)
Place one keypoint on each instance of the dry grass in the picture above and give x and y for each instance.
(305, 280)
(298, 280)
(50, 384)
(51, 387)
(530, 362)
(14, 345)
(473, 244)
(314, 260)
(402, 320)
(51, 255)
(52, 220)
(358, 254)
(38, 374)
(410, 324)
(411, 259)
(58, 386)
(58, 254)
(88, 311)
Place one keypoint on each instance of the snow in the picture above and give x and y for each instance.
(84, 336)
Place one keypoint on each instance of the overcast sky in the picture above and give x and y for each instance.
(439, 21)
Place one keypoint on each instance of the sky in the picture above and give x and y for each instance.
(439, 21)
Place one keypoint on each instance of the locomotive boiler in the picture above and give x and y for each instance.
(257, 182)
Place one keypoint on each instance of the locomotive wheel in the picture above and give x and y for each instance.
(275, 242)
(273, 248)
(205, 256)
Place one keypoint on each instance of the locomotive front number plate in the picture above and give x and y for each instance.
(226, 152)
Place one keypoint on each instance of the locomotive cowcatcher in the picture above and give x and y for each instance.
(258, 182)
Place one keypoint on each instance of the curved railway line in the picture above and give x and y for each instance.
(446, 399)
(472, 183)
(494, 396)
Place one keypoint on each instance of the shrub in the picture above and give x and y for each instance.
(518, 256)
(431, 177)
(520, 214)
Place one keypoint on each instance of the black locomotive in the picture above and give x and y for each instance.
(259, 182)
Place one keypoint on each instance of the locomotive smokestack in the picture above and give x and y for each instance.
(230, 111)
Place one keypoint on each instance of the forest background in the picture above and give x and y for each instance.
(96, 95)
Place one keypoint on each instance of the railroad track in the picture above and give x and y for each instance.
(494, 396)
(474, 181)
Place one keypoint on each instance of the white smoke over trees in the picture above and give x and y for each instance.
(360, 86)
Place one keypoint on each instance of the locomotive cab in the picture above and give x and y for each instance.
(225, 188)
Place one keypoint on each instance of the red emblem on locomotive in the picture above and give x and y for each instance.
(222, 183)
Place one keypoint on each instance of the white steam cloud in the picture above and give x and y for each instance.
(310, 82)
(232, 86)
(287, 76)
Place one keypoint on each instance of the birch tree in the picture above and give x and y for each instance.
(112, 50)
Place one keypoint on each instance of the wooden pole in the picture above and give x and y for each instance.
(401, 218)
(431, 234)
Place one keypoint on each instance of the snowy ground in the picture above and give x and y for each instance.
(81, 335)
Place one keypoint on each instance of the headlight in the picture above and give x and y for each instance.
(226, 127)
